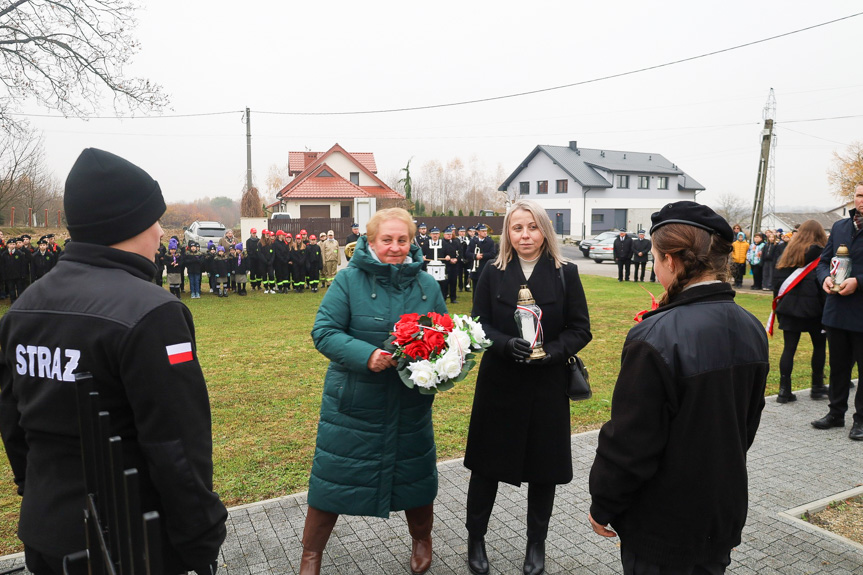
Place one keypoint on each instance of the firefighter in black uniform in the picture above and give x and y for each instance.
(14, 267)
(353, 236)
(98, 312)
(43, 260)
(480, 251)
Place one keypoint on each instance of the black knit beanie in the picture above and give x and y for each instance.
(109, 199)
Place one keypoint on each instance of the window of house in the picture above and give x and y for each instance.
(542, 187)
(662, 183)
(622, 181)
(562, 186)
(597, 218)
(524, 188)
(355, 178)
(643, 182)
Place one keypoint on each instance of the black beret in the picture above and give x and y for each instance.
(109, 199)
(692, 214)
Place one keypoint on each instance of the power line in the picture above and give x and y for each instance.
(571, 85)
(479, 100)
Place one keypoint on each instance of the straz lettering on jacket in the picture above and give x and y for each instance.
(41, 361)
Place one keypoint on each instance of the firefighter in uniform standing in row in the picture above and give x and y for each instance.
(99, 312)
(480, 251)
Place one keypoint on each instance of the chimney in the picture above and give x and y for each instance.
(573, 145)
(310, 157)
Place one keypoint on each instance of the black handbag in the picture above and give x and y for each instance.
(578, 378)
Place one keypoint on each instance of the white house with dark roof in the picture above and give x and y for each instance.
(587, 191)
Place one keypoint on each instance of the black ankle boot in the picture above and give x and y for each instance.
(534, 558)
(819, 390)
(477, 560)
(785, 395)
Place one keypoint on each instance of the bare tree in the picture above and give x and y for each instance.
(64, 53)
(734, 209)
(277, 178)
(21, 156)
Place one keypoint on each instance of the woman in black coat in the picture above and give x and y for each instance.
(801, 307)
(520, 427)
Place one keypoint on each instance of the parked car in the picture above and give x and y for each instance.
(604, 250)
(281, 216)
(584, 246)
(203, 232)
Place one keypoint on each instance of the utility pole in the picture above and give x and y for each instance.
(765, 166)
(248, 120)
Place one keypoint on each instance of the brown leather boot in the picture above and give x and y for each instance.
(316, 533)
(420, 521)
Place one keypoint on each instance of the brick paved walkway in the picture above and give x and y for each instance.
(790, 464)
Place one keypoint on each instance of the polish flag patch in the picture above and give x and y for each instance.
(179, 353)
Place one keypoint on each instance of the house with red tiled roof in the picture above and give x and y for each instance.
(333, 184)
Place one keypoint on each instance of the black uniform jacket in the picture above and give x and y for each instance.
(486, 248)
(622, 248)
(14, 266)
(642, 246)
(519, 426)
(98, 312)
(843, 311)
(194, 262)
(670, 468)
(801, 308)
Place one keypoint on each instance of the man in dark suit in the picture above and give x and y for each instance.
(640, 251)
(623, 255)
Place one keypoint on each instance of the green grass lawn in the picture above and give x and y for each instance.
(265, 380)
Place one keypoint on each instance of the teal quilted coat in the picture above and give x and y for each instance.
(375, 449)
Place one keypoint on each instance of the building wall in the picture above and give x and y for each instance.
(293, 207)
(344, 166)
(639, 203)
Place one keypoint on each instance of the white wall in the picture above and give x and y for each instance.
(639, 203)
(344, 166)
(247, 224)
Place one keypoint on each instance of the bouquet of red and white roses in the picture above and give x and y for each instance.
(434, 351)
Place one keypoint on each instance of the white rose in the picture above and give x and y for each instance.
(476, 332)
(423, 374)
(458, 321)
(458, 340)
(449, 365)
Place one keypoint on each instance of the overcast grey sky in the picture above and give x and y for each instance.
(705, 115)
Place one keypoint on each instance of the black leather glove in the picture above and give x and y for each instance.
(518, 349)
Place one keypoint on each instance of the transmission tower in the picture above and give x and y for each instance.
(765, 188)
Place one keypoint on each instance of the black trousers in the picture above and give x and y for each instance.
(634, 565)
(846, 350)
(643, 266)
(819, 352)
(481, 493)
(739, 270)
(621, 263)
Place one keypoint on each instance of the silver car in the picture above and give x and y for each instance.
(604, 250)
(203, 232)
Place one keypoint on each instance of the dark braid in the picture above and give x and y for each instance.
(697, 253)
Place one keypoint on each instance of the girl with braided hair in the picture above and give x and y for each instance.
(670, 470)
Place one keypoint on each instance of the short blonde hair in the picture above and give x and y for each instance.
(382, 216)
(542, 220)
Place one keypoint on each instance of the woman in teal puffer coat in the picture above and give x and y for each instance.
(375, 449)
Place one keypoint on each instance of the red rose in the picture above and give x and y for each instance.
(413, 318)
(417, 350)
(405, 331)
(434, 339)
(443, 320)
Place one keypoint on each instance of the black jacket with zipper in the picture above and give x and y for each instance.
(98, 312)
(670, 469)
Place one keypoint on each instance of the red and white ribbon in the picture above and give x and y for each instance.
(538, 330)
(794, 279)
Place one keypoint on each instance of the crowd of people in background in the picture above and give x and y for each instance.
(22, 263)
(761, 253)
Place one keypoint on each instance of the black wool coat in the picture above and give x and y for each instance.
(519, 426)
(642, 246)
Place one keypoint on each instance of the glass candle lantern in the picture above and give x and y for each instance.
(528, 318)
(840, 267)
